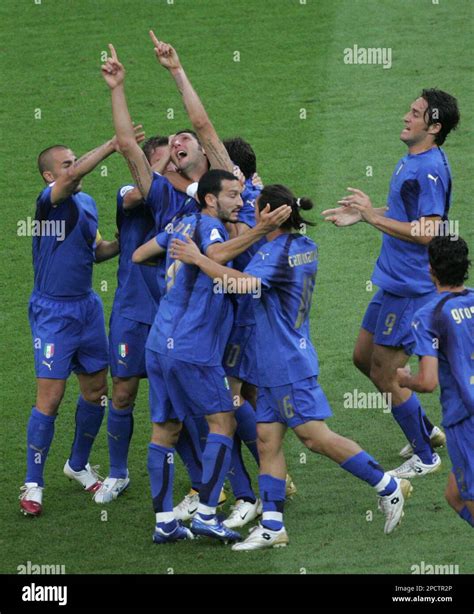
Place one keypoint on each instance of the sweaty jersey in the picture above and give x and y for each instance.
(420, 186)
(444, 328)
(195, 317)
(137, 293)
(287, 269)
(64, 253)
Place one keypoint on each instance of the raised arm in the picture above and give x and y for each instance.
(67, 182)
(213, 146)
(114, 75)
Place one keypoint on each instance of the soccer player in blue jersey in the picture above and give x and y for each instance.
(185, 351)
(418, 201)
(443, 332)
(281, 277)
(133, 311)
(66, 318)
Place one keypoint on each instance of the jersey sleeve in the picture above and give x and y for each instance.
(211, 232)
(432, 196)
(247, 213)
(162, 239)
(425, 337)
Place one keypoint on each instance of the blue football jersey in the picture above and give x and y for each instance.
(137, 295)
(167, 203)
(444, 328)
(420, 186)
(194, 318)
(64, 254)
(287, 269)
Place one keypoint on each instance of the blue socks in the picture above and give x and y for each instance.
(88, 420)
(409, 416)
(119, 433)
(160, 467)
(215, 465)
(189, 449)
(366, 468)
(238, 477)
(39, 437)
(272, 492)
(466, 515)
(247, 428)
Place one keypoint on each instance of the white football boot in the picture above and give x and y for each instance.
(437, 440)
(243, 512)
(415, 467)
(87, 477)
(392, 505)
(31, 499)
(187, 508)
(110, 489)
(260, 538)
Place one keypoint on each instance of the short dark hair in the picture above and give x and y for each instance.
(449, 260)
(44, 158)
(153, 143)
(188, 131)
(277, 195)
(211, 183)
(242, 154)
(443, 109)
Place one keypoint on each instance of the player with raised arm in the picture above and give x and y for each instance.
(134, 308)
(185, 351)
(418, 200)
(66, 318)
(281, 275)
(443, 332)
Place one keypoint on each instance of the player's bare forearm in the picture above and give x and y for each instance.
(148, 252)
(223, 252)
(136, 159)
(177, 181)
(399, 230)
(213, 146)
(66, 184)
(425, 380)
(215, 271)
(106, 250)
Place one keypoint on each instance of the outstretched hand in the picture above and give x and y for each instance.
(166, 54)
(342, 216)
(112, 70)
(188, 252)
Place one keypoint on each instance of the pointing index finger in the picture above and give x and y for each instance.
(113, 53)
(156, 42)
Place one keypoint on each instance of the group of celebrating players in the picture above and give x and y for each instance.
(215, 284)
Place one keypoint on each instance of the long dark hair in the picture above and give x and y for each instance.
(277, 195)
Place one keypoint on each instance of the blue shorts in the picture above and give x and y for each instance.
(127, 340)
(293, 404)
(388, 317)
(180, 389)
(240, 359)
(460, 444)
(68, 335)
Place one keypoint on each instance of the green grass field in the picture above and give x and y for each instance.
(291, 59)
